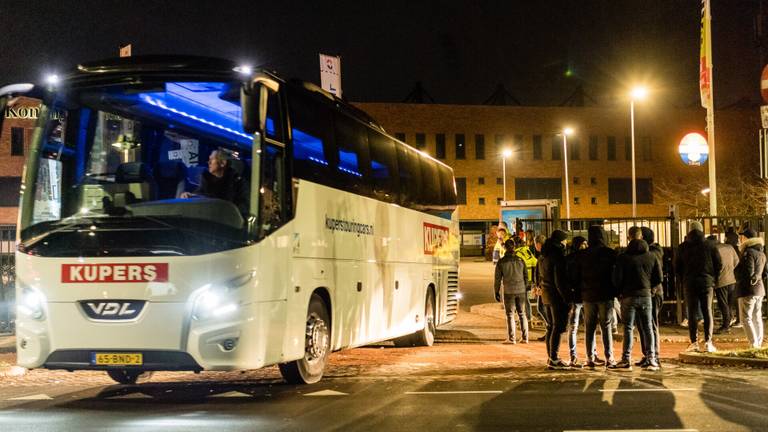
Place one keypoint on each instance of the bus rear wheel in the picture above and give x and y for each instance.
(317, 343)
(125, 376)
(425, 336)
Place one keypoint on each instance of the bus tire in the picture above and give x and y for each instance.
(425, 336)
(129, 377)
(317, 346)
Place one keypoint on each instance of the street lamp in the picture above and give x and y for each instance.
(637, 94)
(505, 154)
(567, 131)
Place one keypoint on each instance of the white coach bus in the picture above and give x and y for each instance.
(343, 237)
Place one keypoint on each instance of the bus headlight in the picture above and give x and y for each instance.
(31, 304)
(212, 303)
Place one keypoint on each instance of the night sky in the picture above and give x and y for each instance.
(540, 50)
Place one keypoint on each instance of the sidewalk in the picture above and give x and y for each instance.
(7, 343)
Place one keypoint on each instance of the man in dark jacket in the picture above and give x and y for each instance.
(636, 271)
(511, 274)
(697, 266)
(222, 182)
(657, 298)
(555, 295)
(750, 274)
(592, 271)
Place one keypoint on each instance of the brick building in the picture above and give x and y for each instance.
(470, 139)
(14, 145)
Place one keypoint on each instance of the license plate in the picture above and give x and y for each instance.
(117, 359)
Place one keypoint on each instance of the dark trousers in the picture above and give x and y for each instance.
(557, 322)
(541, 309)
(515, 304)
(700, 299)
(726, 299)
(599, 314)
(528, 311)
(657, 300)
(637, 309)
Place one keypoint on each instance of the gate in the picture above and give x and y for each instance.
(7, 278)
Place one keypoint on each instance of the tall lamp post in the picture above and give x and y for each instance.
(505, 154)
(638, 93)
(567, 131)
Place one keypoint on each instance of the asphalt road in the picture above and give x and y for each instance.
(681, 398)
(476, 282)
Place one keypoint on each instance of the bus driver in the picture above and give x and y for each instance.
(222, 182)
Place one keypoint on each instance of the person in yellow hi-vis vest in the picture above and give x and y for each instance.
(502, 235)
(523, 251)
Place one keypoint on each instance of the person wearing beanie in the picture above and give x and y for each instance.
(657, 299)
(750, 289)
(697, 266)
(591, 272)
(555, 295)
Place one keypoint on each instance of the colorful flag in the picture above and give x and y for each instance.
(705, 56)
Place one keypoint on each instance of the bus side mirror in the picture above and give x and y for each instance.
(254, 96)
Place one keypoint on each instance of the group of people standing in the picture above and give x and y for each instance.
(591, 278)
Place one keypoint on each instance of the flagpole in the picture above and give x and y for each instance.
(710, 104)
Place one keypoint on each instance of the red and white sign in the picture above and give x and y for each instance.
(330, 74)
(114, 273)
(435, 236)
(764, 84)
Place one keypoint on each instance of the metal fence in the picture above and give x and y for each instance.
(7, 277)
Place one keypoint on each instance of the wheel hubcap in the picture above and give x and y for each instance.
(317, 338)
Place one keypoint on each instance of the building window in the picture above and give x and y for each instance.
(620, 191)
(576, 200)
(593, 181)
(611, 148)
(461, 190)
(481, 180)
(593, 147)
(440, 146)
(499, 200)
(17, 141)
(479, 146)
(576, 180)
(10, 188)
(517, 150)
(628, 148)
(537, 147)
(400, 136)
(538, 188)
(557, 147)
(461, 147)
(499, 181)
(481, 201)
(594, 200)
(421, 141)
(574, 148)
(645, 147)
(498, 141)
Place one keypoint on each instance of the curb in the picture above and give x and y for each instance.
(714, 360)
(12, 371)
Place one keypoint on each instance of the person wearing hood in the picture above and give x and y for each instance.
(555, 295)
(750, 289)
(511, 274)
(592, 270)
(636, 272)
(732, 239)
(657, 299)
(578, 244)
(697, 266)
(725, 288)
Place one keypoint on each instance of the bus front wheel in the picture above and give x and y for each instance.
(124, 376)
(317, 343)
(425, 336)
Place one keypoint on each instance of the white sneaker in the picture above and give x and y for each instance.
(710, 347)
(694, 347)
(684, 323)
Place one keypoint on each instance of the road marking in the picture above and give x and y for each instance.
(230, 394)
(31, 397)
(645, 390)
(455, 392)
(131, 396)
(633, 430)
(327, 393)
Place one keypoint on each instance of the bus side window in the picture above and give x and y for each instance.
(448, 187)
(352, 157)
(384, 173)
(274, 126)
(273, 189)
(431, 193)
(310, 130)
(409, 166)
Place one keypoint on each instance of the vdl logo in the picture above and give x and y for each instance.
(112, 310)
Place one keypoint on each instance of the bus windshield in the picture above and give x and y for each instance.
(123, 170)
